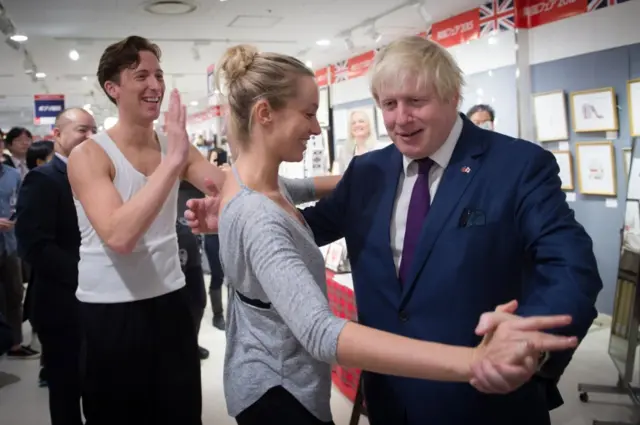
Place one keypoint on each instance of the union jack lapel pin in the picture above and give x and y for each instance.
(465, 170)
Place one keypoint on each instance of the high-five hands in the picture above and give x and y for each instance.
(508, 355)
(175, 125)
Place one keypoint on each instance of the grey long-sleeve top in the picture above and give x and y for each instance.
(269, 256)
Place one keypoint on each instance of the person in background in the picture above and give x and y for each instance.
(49, 240)
(191, 260)
(17, 142)
(11, 283)
(39, 153)
(5, 336)
(483, 116)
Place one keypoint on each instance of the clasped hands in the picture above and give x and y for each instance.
(509, 353)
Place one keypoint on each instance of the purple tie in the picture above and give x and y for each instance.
(418, 210)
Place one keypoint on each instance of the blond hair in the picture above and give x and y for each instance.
(417, 61)
(245, 76)
(370, 143)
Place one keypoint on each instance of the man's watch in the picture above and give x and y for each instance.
(542, 359)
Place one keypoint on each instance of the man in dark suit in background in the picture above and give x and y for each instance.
(49, 240)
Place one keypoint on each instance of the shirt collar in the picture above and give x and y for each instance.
(62, 157)
(443, 155)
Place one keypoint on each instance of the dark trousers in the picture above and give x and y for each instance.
(212, 250)
(62, 346)
(196, 292)
(278, 406)
(11, 293)
(142, 363)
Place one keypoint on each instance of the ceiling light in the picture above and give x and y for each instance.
(170, 7)
(309, 64)
(87, 106)
(74, 55)
(323, 42)
(85, 78)
(19, 38)
(40, 75)
(194, 103)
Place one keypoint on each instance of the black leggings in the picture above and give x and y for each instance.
(278, 406)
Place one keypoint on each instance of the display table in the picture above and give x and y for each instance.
(343, 304)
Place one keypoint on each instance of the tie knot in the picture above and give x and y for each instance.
(424, 165)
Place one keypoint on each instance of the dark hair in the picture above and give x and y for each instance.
(482, 108)
(122, 55)
(16, 132)
(39, 150)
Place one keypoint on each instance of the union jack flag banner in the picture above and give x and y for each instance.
(341, 71)
(601, 4)
(496, 16)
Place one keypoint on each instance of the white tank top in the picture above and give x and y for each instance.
(153, 268)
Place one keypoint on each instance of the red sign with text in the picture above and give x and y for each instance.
(354, 67)
(534, 13)
(322, 77)
(457, 29)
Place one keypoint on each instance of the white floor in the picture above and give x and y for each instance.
(23, 403)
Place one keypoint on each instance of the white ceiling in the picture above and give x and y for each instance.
(55, 27)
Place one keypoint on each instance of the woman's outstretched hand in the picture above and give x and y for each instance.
(508, 355)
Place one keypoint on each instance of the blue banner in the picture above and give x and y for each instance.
(46, 108)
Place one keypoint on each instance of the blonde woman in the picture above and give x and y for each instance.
(361, 138)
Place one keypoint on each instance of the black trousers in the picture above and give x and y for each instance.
(142, 365)
(62, 346)
(278, 406)
(11, 293)
(196, 292)
(212, 250)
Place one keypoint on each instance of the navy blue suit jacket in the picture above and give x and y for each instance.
(49, 240)
(520, 241)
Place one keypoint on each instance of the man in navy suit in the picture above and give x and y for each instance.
(446, 223)
(49, 240)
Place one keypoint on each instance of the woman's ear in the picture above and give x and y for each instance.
(263, 112)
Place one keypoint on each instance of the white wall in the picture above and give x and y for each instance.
(474, 57)
(591, 32)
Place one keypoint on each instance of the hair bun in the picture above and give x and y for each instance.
(236, 61)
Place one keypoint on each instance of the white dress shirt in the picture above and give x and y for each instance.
(62, 157)
(408, 178)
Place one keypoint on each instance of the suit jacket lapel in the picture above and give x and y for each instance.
(59, 164)
(463, 166)
(385, 212)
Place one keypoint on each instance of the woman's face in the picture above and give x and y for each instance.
(292, 126)
(360, 128)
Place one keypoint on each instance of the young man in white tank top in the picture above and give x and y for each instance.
(142, 362)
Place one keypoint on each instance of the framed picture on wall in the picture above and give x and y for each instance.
(382, 130)
(633, 92)
(596, 168)
(626, 157)
(594, 110)
(550, 112)
(564, 160)
(633, 188)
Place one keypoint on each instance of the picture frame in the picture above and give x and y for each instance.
(565, 163)
(633, 94)
(594, 110)
(550, 116)
(633, 182)
(627, 154)
(596, 168)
